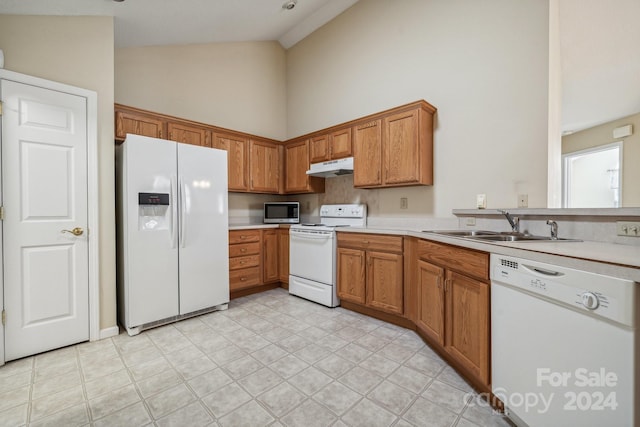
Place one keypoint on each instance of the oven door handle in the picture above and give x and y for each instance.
(311, 236)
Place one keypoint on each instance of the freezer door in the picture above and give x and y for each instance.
(149, 255)
(203, 227)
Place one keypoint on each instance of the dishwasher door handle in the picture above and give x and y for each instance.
(543, 271)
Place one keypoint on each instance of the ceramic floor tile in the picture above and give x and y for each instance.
(227, 354)
(334, 365)
(242, 367)
(195, 367)
(309, 414)
(310, 380)
(379, 365)
(288, 366)
(107, 383)
(157, 383)
(451, 377)
(226, 399)
(371, 343)
(367, 414)
(269, 354)
(410, 379)
(58, 367)
(184, 355)
(192, 415)
(354, 353)
(75, 416)
(448, 396)
(428, 414)
(281, 399)
(15, 416)
(293, 343)
(260, 381)
(332, 342)
(249, 414)
(51, 385)
(360, 380)
(337, 397)
(478, 412)
(17, 380)
(149, 369)
(56, 402)
(141, 356)
(169, 400)
(396, 352)
(92, 369)
(17, 366)
(391, 397)
(424, 364)
(113, 401)
(251, 343)
(134, 415)
(209, 382)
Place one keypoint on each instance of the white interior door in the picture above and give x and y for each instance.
(44, 189)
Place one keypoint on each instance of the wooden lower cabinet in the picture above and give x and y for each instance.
(452, 305)
(283, 254)
(370, 271)
(270, 256)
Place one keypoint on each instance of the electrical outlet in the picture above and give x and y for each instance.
(628, 228)
(523, 200)
(481, 201)
(404, 203)
(470, 221)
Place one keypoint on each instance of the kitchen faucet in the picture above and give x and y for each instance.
(514, 221)
(554, 229)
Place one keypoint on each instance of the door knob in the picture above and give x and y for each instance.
(76, 231)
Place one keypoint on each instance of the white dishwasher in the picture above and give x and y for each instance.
(563, 345)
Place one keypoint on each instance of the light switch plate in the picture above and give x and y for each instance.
(523, 200)
(481, 201)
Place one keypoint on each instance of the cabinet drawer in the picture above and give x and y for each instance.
(244, 262)
(466, 261)
(374, 242)
(244, 278)
(244, 249)
(243, 236)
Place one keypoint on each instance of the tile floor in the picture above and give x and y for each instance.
(270, 360)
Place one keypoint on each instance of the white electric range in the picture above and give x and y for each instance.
(312, 253)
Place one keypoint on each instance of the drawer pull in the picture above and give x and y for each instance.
(243, 237)
(366, 242)
(243, 279)
(243, 250)
(243, 262)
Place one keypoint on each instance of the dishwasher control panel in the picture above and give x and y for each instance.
(602, 296)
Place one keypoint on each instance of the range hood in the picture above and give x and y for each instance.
(332, 168)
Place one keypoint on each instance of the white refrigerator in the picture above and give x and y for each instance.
(173, 257)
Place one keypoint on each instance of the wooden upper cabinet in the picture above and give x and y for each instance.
(340, 145)
(138, 124)
(367, 154)
(296, 161)
(187, 134)
(395, 150)
(264, 166)
(319, 149)
(237, 159)
(334, 145)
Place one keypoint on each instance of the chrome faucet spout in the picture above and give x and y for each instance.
(514, 221)
(554, 229)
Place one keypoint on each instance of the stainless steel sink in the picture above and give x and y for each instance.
(495, 236)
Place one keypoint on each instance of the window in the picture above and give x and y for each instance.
(591, 177)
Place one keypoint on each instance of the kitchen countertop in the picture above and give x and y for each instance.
(610, 259)
(604, 258)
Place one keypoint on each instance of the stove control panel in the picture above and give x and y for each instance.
(343, 211)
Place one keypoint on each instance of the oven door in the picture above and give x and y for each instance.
(312, 255)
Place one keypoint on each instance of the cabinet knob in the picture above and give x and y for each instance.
(243, 250)
(243, 279)
(243, 237)
(243, 262)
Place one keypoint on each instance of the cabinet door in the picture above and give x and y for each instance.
(283, 254)
(367, 154)
(263, 171)
(351, 275)
(340, 144)
(138, 125)
(401, 149)
(384, 282)
(467, 324)
(430, 316)
(319, 149)
(297, 164)
(269, 256)
(237, 160)
(189, 134)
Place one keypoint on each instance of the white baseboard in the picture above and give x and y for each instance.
(109, 332)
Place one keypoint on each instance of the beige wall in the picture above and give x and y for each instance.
(484, 65)
(603, 134)
(240, 86)
(77, 51)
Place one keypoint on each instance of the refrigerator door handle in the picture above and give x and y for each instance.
(174, 211)
(183, 212)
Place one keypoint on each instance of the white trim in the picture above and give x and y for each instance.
(93, 222)
(109, 332)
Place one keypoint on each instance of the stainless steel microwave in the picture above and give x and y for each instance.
(281, 213)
